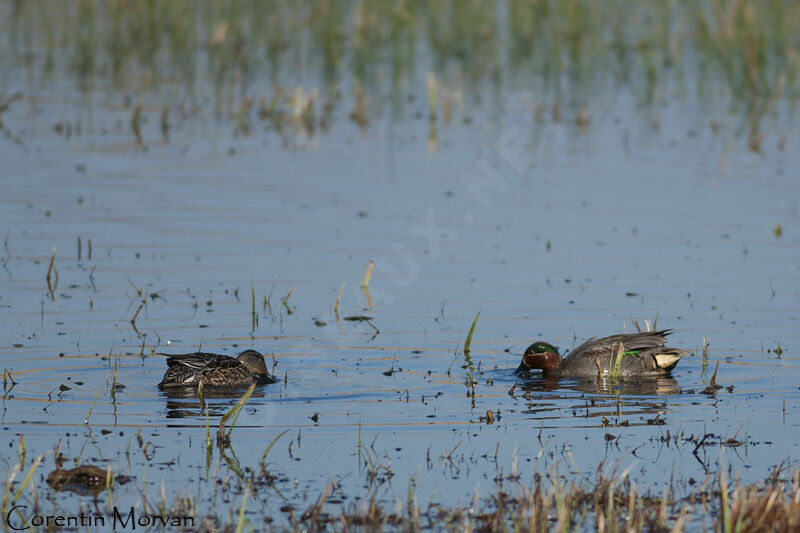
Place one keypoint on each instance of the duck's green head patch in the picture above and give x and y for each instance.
(542, 347)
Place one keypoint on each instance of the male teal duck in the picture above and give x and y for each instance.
(644, 353)
(213, 370)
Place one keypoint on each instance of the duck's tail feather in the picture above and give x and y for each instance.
(666, 360)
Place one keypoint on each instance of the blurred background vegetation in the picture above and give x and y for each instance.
(275, 58)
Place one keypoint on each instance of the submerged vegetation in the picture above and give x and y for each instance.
(610, 502)
(293, 63)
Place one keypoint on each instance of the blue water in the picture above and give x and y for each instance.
(582, 231)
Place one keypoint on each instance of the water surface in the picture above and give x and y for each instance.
(588, 228)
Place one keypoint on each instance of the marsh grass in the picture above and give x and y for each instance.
(136, 128)
(51, 269)
(285, 301)
(367, 275)
(271, 444)
(5, 103)
(8, 377)
(617, 361)
(253, 311)
(338, 299)
(113, 388)
(468, 342)
(28, 478)
(136, 314)
(91, 408)
(223, 436)
(530, 501)
(609, 503)
(22, 450)
(565, 51)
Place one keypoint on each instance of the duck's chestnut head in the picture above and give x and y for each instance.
(542, 356)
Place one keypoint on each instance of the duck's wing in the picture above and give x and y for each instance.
(632, 342)
(644, 353)
(201, 360)
(652, 360)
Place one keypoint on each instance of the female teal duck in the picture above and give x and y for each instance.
(644, 353)
(213, 370)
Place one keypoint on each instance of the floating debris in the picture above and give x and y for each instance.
(358, 318)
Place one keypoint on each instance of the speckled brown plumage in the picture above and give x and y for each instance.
(214, 370)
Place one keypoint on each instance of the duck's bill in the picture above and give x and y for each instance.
(266, 379)
(521, 368)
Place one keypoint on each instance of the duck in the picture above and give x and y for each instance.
(86, 480)
(643, 354)
(214, 370)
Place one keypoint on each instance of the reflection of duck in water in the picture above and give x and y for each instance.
(215, 371)
(626, 355)
(184, 402)
(650, 385)
(626, 402)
